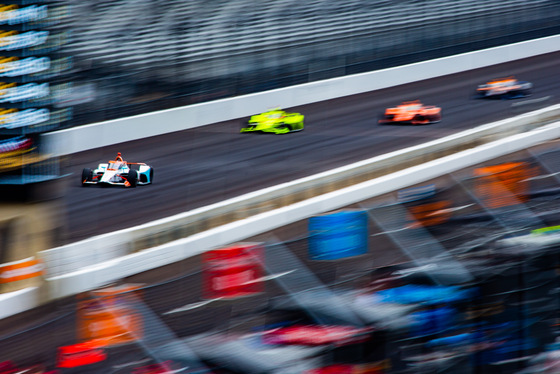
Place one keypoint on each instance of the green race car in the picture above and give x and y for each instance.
(275, 121)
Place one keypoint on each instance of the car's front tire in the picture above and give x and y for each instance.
(133, 178)
(87, 176)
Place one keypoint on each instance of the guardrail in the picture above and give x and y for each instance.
(19, 301)
(94, 276)
(71, 257)
(78, 139)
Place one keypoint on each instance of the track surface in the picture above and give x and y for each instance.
(197, 167)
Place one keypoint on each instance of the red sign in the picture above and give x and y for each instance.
(350, 369)
(333, 369)
(160, 368)
(80, 354)
(234, 271)
(317, 335)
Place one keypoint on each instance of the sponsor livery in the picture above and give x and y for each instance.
(11, 40)
(118, 172)
(14, 67)
(504, 88)
(12, 118)
(12, 93)
(275, 121)
(412, 112)
(12, 15)
(19, 143)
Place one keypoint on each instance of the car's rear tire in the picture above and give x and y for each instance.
(419, 120)
(435, 118)
(298, 126)
(87, 176)
(133, 178)
(524, 93)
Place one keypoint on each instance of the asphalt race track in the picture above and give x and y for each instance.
(197, 167)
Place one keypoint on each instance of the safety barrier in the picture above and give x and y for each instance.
(137, 127)
(19, 301)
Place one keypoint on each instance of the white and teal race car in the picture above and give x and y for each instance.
(119, 172)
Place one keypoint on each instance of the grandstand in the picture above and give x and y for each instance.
(190, 47)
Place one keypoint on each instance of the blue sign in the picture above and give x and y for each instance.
(338, 235)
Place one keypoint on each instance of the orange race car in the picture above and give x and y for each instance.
(412, 112)
(504, 88)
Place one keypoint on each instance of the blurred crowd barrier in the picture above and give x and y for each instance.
(457, 275)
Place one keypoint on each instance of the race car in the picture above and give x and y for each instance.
(412, 112)
(275, 121)
(119, 172)
(504, 88)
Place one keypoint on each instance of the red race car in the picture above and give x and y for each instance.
(412, 112)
